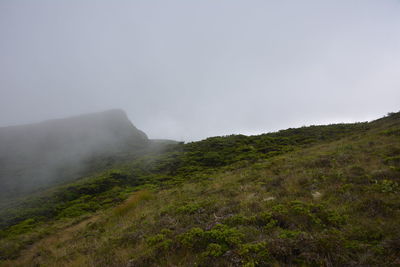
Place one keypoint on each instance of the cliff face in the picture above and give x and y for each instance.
(36, 155)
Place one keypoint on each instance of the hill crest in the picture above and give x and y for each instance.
(34, 155)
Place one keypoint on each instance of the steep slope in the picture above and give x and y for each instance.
(38, 155)
(314, 196)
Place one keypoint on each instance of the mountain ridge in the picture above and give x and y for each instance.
(41, 153)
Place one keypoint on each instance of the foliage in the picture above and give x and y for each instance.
(312, 196)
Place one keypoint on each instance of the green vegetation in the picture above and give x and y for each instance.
(313, 196)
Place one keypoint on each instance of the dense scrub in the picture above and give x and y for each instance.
(320, 195)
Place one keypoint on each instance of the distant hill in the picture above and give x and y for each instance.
(36, 155)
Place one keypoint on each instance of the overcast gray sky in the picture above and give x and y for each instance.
(187, 70)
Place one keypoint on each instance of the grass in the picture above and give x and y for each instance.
(241, 212)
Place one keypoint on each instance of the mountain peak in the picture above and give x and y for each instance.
(37, 152)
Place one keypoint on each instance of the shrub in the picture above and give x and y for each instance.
(386, 186)
(306, 216)
(237, 219)
(255, 254)
(190, 208)
(220, 234)
(22, 227)
(159, 242)
(214, 250)
(194, 238)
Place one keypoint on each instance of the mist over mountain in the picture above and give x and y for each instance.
(36, 155)
(285, 153)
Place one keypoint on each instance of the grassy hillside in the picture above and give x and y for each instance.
(320, 195)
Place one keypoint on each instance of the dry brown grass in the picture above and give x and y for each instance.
(50, 247)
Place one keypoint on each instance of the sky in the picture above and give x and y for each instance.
(187, 70)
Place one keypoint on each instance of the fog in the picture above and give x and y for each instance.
(58, 151)
(186, 70)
